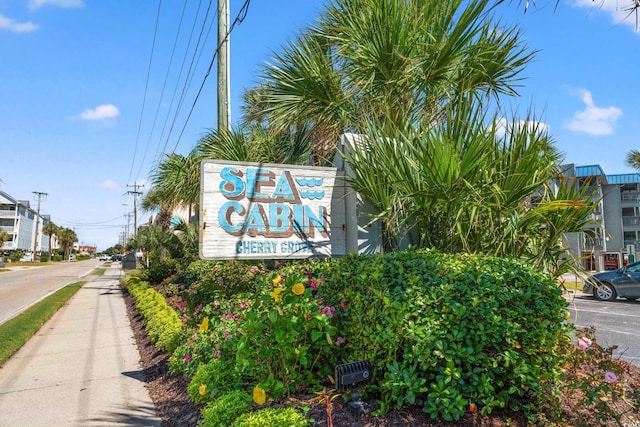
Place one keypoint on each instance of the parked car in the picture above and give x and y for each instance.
(608, 285)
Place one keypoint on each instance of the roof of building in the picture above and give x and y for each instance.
(590, 170)
(624, 178)
(596, 170)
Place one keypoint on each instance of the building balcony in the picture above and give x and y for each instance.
(630, 221)
(7, 228)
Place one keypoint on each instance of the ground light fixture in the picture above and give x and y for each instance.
(349, 374)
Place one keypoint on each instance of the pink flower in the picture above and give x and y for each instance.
(230, 316)
(187, 357)
(610, 377)
(584, 343)
(341, 304)
(340, 340)
(182, 304)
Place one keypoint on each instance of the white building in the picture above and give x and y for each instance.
(18, 220)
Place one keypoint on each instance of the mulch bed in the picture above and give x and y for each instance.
(173, 406)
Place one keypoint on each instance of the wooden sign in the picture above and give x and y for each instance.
(270, 211)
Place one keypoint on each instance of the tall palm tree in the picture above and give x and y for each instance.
(67, 238)
(392, 60)
(49, 230)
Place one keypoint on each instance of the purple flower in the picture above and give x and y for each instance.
(187, 357)
(340, 340)
(610, 377)
(230, 316)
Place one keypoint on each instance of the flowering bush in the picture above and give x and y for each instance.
(203, 344)
(596, 382)
(286, 341)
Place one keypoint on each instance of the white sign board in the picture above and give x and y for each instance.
(261, 211)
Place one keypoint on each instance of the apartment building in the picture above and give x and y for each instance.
(18, 220)
(614, 236)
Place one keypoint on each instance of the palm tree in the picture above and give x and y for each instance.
(49, 230)
(633, 159)
(392, 60)
(176, 181)
(4, 237)
(67, 238)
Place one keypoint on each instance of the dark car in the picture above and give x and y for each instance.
(608, 285)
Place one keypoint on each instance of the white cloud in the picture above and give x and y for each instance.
(106, 111)
(16, 27)
(36, 4)
(504, 126)
(593, 120)
(109, 183)
(619, 10)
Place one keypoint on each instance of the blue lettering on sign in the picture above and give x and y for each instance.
(275, 208)
(224, 217)
(279, 218)
(256, 247)
(232, 185)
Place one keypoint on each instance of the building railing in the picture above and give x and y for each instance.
(631, 221)
(629, 196)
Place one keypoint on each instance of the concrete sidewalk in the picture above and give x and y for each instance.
(82, 367)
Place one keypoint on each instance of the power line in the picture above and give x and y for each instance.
(146, 85)
(242, 14)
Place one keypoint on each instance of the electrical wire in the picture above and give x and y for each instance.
(146, 86)
(242, 14)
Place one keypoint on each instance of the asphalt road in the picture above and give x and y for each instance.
(21, 288)
(616, 323)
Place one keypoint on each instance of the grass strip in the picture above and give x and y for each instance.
(99, 271)
(15, 332)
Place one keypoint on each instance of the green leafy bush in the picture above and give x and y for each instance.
(444, 331)
(209, 281)
(271, 417)
(162, 322)
(225, 409)
(286, 341)
(205, 344)
(158, 268)
(211, 380)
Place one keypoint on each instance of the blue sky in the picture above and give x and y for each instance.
(86, 109)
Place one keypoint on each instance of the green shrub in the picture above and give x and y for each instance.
(286, 341)
(209, 281)
(443, 331)
(162, 323)
(56, 258)
(44, 258)
(16, 256)
(271, 417)
(158, 268)
(225, 409)
(211, 380)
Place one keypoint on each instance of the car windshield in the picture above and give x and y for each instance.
(633, 268)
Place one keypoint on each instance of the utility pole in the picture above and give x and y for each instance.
(224, 107)
(127, 232)
(40, 195)
(135, 194)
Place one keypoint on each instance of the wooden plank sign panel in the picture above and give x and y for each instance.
(270, 211)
